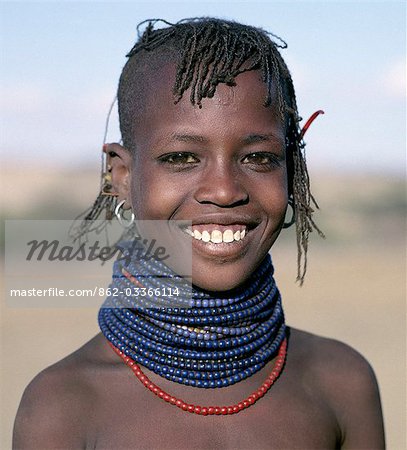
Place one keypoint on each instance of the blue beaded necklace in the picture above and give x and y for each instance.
(208, 342)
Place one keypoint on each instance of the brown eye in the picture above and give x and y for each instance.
(261, 159)
(112, 154)
(179, 158)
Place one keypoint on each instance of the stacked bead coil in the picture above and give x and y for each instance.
(209, 343)
(210, 410)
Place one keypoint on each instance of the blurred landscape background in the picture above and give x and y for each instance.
(60, 62)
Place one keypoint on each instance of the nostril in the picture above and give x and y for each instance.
(224, 191)
(223, 204)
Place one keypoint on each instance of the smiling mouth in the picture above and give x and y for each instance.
(217, 234)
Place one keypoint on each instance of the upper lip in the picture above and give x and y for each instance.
(230, 219)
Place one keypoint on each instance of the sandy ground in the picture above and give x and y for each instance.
(354, 292)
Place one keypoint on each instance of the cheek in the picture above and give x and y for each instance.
(274, 196)
(274, 201)
(153, 196)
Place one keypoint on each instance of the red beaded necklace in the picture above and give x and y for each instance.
(209, 410)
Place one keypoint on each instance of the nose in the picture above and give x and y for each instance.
(221, 185)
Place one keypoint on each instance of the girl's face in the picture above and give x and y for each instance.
(221, 166)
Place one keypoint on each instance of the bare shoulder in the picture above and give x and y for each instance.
(55, 404)
(330, 357)
(346, 381)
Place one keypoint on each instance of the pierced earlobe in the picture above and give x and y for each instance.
(120, 218)
(105, 204)
(292, 220)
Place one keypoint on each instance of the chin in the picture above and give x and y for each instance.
(222, 277)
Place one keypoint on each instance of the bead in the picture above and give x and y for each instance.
(203, 342)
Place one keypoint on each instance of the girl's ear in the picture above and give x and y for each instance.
(119, 166)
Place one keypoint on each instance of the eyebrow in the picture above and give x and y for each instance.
(194, 138)
(247, 140)
(255, 138)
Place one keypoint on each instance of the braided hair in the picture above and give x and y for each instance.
(210, 51)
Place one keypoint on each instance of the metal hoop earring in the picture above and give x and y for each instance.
(292, 220)
(118, 213)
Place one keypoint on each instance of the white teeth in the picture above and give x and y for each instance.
(216, 237)
(228, 236)
(206, 237)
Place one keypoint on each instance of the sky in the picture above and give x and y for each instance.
(60, 62)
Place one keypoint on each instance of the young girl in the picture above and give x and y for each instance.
(211, 135)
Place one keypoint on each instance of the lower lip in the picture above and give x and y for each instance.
(223, 249)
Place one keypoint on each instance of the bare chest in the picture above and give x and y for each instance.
(139, 420)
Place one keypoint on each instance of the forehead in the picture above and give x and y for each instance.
(159, 83)
(238, 108)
